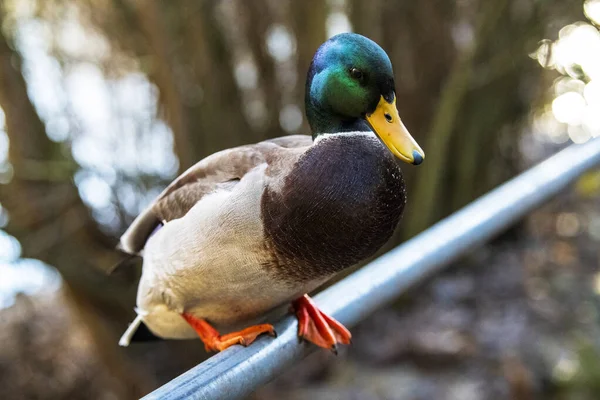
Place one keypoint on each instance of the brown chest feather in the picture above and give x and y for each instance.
(338, 206)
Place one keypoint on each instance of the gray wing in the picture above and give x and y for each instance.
(220, 170)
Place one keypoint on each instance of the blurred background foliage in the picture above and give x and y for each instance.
(105, 101)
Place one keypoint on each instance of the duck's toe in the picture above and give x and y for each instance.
(317, 327)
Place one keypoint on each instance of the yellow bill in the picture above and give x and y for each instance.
(387, 124)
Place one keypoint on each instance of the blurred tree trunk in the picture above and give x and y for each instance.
(47, 214)
(53, 225)
(149, 18)
(256, 24)
(428, 190)
(308, 19)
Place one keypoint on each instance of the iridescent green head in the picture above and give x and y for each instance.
(350, 87)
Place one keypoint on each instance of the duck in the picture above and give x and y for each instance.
(254, 228)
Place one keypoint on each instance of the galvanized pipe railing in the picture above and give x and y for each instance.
(237, 371)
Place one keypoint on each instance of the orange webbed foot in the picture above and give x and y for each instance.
(317, 327)
(214, 341)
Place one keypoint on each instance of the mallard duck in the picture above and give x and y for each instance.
(255, 227)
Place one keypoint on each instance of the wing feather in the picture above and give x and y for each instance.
(220, 170)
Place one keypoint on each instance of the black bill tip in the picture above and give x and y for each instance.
(417, 158)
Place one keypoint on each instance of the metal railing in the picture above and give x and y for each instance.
(237, 371)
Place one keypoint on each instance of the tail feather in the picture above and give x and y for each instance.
(126, 338)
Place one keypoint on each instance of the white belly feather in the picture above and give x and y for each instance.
(208, 263)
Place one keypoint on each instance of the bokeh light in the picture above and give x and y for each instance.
(576, 55)
(591, 8)
(569, 108)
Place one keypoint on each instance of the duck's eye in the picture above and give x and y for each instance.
(356, 74)
(388, 117)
